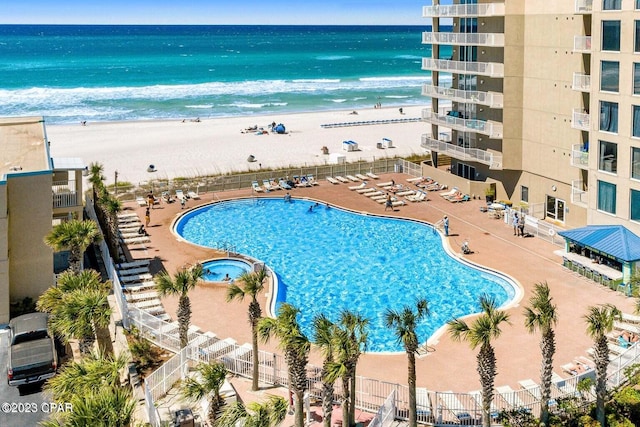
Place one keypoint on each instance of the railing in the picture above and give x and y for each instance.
(463, 10)
(489, 128)
(579, 196)
(386, 414)
(492, 99)
(584, 6)
(581, 82)
(582, 44)
(491, 69)
(579, 157)
(494, 161)
(473, 39)
(581, 120)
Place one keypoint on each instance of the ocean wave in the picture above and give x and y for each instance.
(408, 57)
(337, 101)
(333, 57)
(315, 80)
(201, 106)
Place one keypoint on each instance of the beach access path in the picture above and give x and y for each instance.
(452, 365)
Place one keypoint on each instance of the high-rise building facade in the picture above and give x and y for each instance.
(540, 100)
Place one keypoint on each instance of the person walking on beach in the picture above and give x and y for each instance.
(445, 225)
(147, 218)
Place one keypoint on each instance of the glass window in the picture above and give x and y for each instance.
(610, 76)
(611, 35)
(636, 78)
(636, 44)
(606, 197)
(609, 116)
(608, 160)
(635, 205)
(635, 131)
(635, 163)
(524, 194)
(611, 4)
(637, 4)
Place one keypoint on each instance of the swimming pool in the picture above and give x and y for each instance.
(332, 259)
(215, 270)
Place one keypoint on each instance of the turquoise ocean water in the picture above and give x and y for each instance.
(108, 73)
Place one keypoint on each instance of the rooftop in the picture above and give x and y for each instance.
(22, 145)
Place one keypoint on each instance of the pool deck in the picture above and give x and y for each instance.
(452, 366)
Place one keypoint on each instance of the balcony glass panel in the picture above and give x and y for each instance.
(580, 156)
(581, 82)
(584, 6)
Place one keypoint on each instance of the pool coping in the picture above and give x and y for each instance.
(272, 294)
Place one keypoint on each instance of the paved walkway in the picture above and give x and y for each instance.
(452, 365)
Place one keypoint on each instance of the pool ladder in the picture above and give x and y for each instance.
(226, 247)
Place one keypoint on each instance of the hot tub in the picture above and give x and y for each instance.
(217, 270)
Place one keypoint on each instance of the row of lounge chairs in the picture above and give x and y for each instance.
(284, 184)
(370, 122)
(455, 195)
(427, 183)
(166, 197)
(348, 179)
(128, 226)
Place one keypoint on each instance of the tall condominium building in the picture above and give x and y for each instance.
(540, 100)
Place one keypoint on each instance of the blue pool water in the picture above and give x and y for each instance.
(328, 260)
(216, 270)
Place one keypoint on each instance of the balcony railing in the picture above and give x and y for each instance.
(464, 39)
(494, 161)
(582, 44)
(581, 82)
(64, 195)
(491, 69)
(579, 196)
(584, 6)
(489, 128)
(463, 10)
(492, 99)
(579, 156)
(581, 120)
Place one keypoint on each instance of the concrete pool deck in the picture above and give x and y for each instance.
(452, 366)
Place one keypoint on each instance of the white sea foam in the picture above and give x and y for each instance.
(332, 57)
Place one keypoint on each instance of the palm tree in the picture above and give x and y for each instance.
(210, 379)
(541, 315)
(112, 207)
(404, 324)
(267, 414)
(180, 284)
(253, 285)
(600, 321)
(296, 349)
(325, 335)
(75, 236)
(79, 309)
(481, 332)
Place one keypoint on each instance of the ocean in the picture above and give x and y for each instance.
(71, 73)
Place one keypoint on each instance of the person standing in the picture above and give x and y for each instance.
(445, 225)
(388, 204)
(521, 225)
(150, 200)
(147, 218)
(514, 220)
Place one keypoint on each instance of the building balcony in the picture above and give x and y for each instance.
(584, 6)
(464, 39)
(579, 156)
(582, 44)
(493, 160)
(65, 196)
(490, 128)
(581, 120)
(463, 10)
(581, 82)
(491, 99)
(579, 195)
(490, 69)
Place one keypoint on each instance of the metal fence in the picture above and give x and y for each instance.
(386, 414)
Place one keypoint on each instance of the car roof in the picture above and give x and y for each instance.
(29, 323)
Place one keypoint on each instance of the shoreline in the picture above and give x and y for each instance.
(189, 148)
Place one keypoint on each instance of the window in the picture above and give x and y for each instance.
(636, 44)
(635, 131)
(635, 163)
(606, 197)
(524, 194)
(608, 160)
(636, 78)
(555, 208)
(611, 35)
(609, 116)
(637, 4)
(610, 76)
(611, 4)
(635, 205)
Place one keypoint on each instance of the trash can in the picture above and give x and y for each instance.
(379, 145)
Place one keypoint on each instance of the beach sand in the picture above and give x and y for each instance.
(218, 145)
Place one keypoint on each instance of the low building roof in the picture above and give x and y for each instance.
(22, 145)
(614, 240)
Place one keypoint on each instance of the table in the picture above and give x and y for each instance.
(603, 270)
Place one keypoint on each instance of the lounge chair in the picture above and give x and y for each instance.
(358, 187)
(511, 396)
(332, 180)
(133, 271)
(372, 175)
(139, 287)
(366, 190)
(477, 396)
(133, 264)
(136, 278)
(420, 197)
(405, 193)
(193, 195)
(361, 177)
(352, 178)
(256, 187)
(141, 201)
(375, 193)
(416, 179)
(452, 403)
(386, 184)
(125, 216)
(136, 240)
(311, 180)
(266, 184)
(140, 296)
(451, 192)
(180, 195)
(342, 179)
(283, 184)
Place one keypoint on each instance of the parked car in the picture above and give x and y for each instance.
(32, 352)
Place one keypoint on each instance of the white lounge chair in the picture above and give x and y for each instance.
(416, 179)
(139, 287)
(266, 184)
(180, 195)
(342, 179)
(451, 192)
(358, 187)
(311, 180)
(141, 201)
(133, 264)
(136, 278)
(127, 215)
(372, 175)
(133, 271)
(193, 195)
(452, 403)
(136, 240)
(352, 178)
(332, 180)
(366, 190)
(375, 193)
(405, 193)
(256, 187)
(510, 396)
(361, 177)
(140, 296)
(420, 197)
(385, 184)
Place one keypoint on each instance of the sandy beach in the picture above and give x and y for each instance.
(212, 146)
